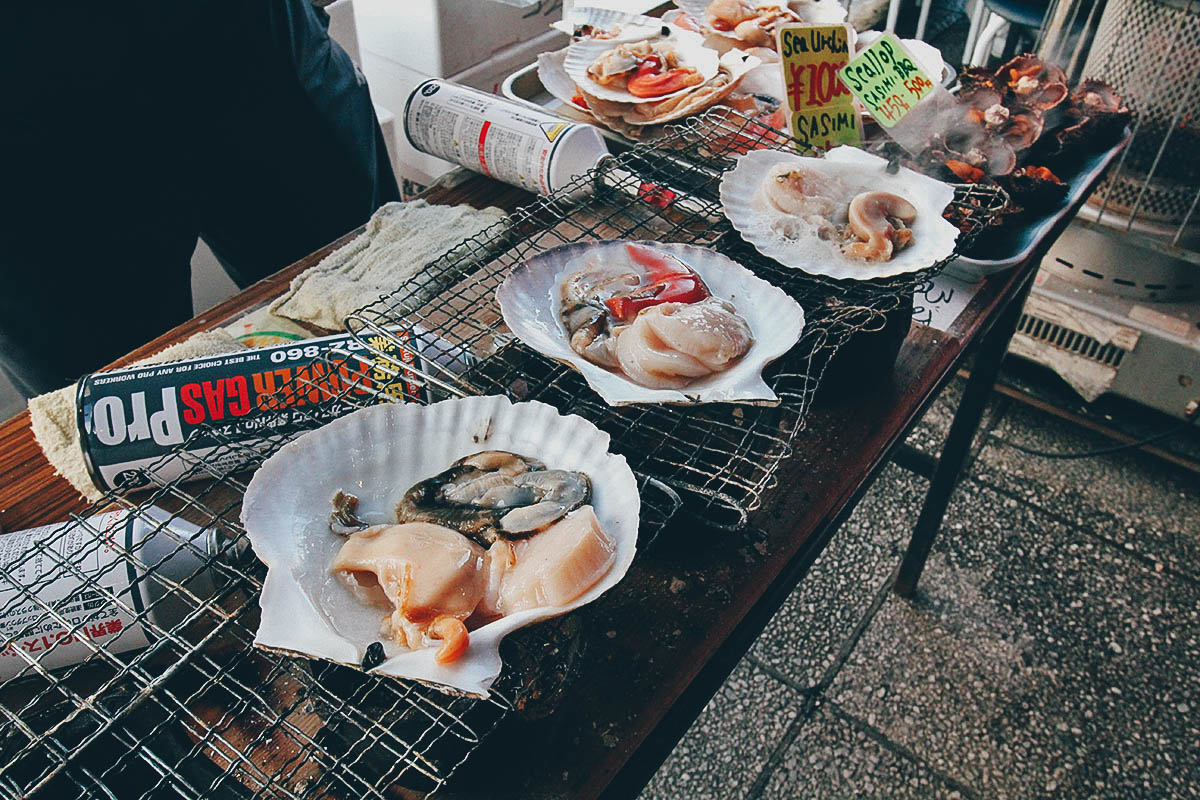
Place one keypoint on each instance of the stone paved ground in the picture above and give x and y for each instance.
(1053, 649)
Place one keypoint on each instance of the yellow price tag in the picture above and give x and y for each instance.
(821, 109)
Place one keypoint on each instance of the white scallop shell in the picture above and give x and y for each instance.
(690, 47)
(823, 12)
(765, 79)
(377, 453)
(530, 302)
(749, 213)
(818, 12)
(556, 80)
(634, 27)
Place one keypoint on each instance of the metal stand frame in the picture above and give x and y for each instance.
(991, 349)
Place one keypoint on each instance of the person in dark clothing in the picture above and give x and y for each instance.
(128, 131)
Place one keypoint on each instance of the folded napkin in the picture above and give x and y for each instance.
(400, 239)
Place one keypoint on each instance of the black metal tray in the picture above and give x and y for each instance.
(1001, 247)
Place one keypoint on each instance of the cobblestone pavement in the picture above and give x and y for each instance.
(1052, 650)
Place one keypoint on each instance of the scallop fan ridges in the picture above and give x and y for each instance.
(378, 453)
(529, 301)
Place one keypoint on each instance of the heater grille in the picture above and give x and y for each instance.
(1071, 341)
(1147, 48)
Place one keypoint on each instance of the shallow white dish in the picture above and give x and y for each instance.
(377, 453)
(530, 302)
(933, 236)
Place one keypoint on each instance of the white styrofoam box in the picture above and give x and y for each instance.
(443, 37)
(390, 85)
(342, 28)
(387, 124)
(488, 75)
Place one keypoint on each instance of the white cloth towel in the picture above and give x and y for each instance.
(400, 239)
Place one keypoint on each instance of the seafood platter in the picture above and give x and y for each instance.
(419, 567)
(1019, 128)
(653, 322)
(843, 216)
(632, 74)
(1023, 129)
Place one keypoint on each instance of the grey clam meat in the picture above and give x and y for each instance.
(495, 495)
(344, 518)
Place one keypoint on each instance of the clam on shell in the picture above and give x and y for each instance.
(377, 453)
(748, 212)
(690, 47)
(634, 27)
(626, 117)
(529, 300)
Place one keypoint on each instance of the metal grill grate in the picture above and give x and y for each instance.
(720, 457)
(196, 711)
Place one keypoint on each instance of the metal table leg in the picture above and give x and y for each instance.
(990, 353)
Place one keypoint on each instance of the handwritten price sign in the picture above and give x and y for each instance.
(887, 80)
(821, 109)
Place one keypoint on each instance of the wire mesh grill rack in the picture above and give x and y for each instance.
(720, 458)
(168, 696)
(199, 711)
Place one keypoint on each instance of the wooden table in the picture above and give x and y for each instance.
(657, 647)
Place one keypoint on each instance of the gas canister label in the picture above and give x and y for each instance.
(132, 421)
(75, 574)
(485, 134)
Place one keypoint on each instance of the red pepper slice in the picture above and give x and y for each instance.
(646, 84)
(671, 281)
(578, 100)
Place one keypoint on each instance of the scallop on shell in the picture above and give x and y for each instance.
(817, 12)
(377, 453)
(631, 119)
(629, 27)
(530, 302)
(689, 46)
(776, 234)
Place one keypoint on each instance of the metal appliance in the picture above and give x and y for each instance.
(1115, 308)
